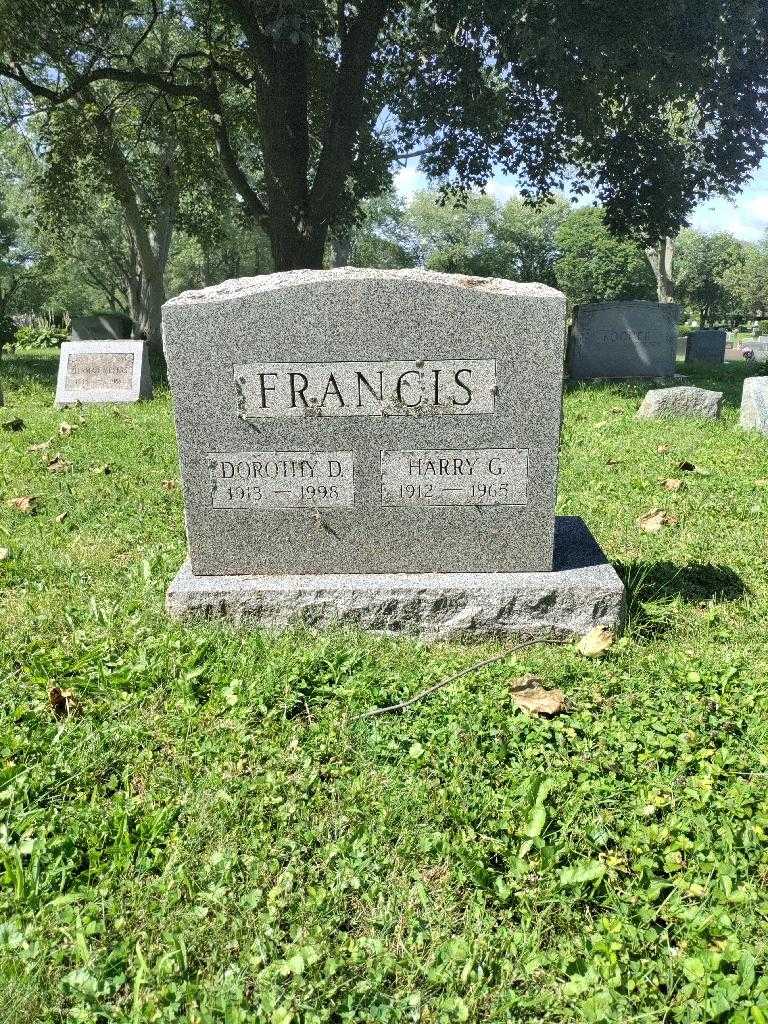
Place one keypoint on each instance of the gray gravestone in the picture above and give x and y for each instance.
(103, 371)
(99, 328)
(698, 403)
(356, 431)
(754, 404)
(759, 348)
(706, 346)
(623, 339)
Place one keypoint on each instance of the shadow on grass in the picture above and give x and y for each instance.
(728, 378)
(18, 368)
(652, 586)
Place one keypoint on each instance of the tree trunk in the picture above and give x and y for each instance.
(342, 249)
(660, 257)
(294, 249)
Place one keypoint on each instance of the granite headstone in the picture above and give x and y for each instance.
(636, 338)
(754, 405)
(346, 434)
(100, 327)
(103, 371)
(705, 346)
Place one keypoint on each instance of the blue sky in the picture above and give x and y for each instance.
(746, 216)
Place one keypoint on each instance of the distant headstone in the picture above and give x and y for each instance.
(754, 404)
(759, 348)
(684, 401)
(378, 448)
(623, 339)
(705, 346)
(99, 328)
(103, 371)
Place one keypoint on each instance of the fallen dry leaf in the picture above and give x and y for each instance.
(672, 484)
(65, 429)
(63, 702)
(39, 447)
(616, 409)
(61, 517)
(602, 423)
(613, 462)
(15, 424)
(102, 470)
(656, 520)
(662, 449)
(530, 695)
(596, 642)
(27, 505)
(4, 553)
(58, 464)
(687, 467)
(170, 485)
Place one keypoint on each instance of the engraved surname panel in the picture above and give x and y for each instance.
(468, 476)
(268, 480)
(423, 387)
(96, 371)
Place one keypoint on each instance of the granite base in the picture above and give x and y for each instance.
(581, 592)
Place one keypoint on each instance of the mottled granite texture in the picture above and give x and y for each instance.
(280, 478)
(754, 405)
(581, 592)
(685, 401)
(103, 371)
(706, 346)
(623, 339)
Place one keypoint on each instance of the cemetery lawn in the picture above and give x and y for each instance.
(194, 829)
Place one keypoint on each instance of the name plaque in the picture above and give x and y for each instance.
(485, 476)
(400, 387)
(88, 371)
(267, 480)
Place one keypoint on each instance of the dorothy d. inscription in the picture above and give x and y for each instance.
(256, 480)
(98, 370)
(362, 388)
(489, 476)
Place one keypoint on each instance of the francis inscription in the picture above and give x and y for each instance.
(482, 476)
(366, 388)
(267, 480)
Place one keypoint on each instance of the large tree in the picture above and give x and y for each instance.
(705, 267)
(308, 102)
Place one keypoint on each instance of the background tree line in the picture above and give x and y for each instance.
(254, 132)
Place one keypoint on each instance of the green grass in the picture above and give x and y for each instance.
(213, 839)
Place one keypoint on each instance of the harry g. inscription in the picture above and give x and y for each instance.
(364, 421)
(493, 476)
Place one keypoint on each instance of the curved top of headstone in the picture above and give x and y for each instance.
(244, 287)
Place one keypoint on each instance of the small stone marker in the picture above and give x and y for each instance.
(759, 348)
(99, 328)
(378, 448)
(103, 371)
(754, 405)
(684, 401)
(623, 339)
(705, 347)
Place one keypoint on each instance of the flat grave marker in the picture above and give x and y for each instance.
(103, 372)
